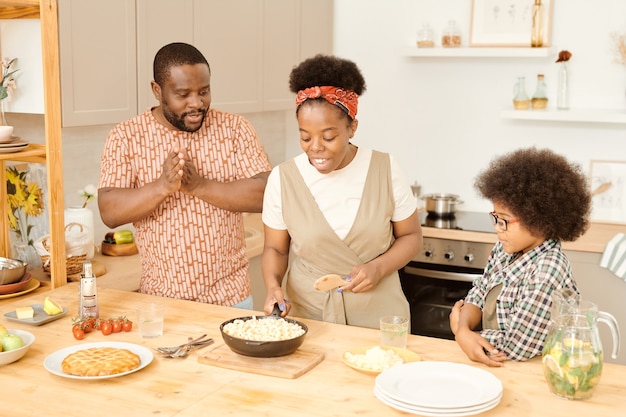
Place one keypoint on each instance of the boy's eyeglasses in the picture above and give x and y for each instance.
(503, 224)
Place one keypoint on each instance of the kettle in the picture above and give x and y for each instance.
(572, 354)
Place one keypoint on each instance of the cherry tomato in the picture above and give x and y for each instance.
(79, 334)
(117, 326)
(106, 328)
(77, 326)
(86, 327)
(127, 326)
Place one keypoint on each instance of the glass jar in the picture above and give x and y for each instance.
(451, 36)
(425, 37)
(540, 97)
(521, 101)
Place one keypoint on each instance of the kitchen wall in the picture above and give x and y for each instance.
(440, 117)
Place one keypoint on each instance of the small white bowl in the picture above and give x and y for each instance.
(14, 355)
(6, 134)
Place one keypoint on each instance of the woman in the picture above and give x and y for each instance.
(336, 208)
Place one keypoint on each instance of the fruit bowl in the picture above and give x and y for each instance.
(118, 249)
(14, 355)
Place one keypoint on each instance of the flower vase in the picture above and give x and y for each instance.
(3, 120)
(83, 216)
(26, 253)
(562, 93)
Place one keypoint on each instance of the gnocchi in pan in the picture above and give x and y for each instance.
(263, 330)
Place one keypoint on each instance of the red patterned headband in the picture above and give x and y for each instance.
(345, 99)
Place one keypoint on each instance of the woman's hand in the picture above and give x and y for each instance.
(276, 296)
(362, 278)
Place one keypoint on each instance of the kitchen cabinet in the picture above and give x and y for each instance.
(601, 286)
(98, 61)
(51, 152)
(252, 45)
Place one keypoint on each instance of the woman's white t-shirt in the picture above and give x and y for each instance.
(338, 193)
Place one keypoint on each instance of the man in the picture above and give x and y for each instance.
(183, 173)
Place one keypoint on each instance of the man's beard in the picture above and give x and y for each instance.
(179, 122)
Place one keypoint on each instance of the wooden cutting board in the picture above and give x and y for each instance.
(289, 366)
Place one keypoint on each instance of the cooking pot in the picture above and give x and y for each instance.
(264, 349)
(441, 204)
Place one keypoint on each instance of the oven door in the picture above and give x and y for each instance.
(431, 291)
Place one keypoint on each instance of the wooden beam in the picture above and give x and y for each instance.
(52, 120)
(19, 12)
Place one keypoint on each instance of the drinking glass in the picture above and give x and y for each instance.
(150, 320)
(394, 331)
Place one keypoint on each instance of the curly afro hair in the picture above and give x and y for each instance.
(326, 70)
(544, 190)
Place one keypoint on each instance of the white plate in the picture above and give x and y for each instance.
(14, 148)
(406, 355)
(14, 144)
(40, 317)
(436, 412)
(15, 141)
(439, 385)
(52, 363)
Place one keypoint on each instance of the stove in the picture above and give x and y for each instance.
(464, 220)
(443, 271)
(456, 253)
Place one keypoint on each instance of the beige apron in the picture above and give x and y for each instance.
(490, 314)
(316, 250)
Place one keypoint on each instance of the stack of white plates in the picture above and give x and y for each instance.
(16, 144)
(439, 389)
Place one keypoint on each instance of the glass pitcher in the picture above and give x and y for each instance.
(572, 355)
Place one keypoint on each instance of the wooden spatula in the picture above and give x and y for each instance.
(329, 282)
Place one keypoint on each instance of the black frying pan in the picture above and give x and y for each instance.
(260, 349)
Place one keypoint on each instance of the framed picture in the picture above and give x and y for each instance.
(608, 188)
(507, 22)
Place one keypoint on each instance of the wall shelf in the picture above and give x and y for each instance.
(479, 52)
(616, 116)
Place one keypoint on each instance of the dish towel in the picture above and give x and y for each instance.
(614, 256)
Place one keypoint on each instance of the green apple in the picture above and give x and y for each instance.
(12, 342)
(3, 331)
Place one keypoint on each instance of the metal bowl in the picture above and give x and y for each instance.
(11, 270)
(264, 349)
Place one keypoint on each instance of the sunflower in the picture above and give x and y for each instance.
(25, 199)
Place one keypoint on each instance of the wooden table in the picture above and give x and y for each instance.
(185, 387)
